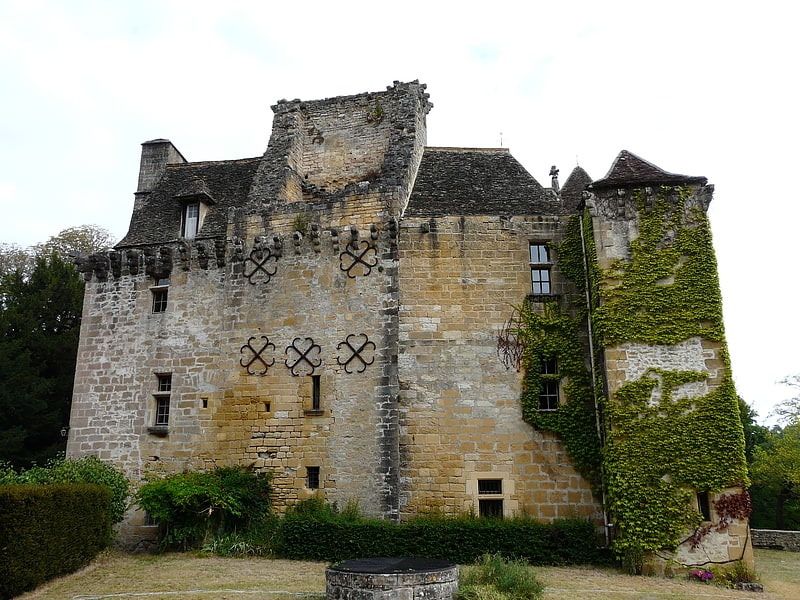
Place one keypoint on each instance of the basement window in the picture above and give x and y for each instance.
(490, 498)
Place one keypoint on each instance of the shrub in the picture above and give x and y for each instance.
(49, 530)
(732, 575)
(496, 578)
(88, 469)
(193, 508)
(314, 531)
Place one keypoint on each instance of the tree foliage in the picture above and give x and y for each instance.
(776, 469)
(41, 299)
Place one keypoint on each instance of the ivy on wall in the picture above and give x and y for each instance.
(552, 332)
(661, 445)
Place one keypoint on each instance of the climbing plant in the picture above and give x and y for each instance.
(664, 444)
(655, 444)
(553, 332)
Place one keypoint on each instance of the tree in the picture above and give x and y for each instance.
(39, 325)
(776, 467)
(85, 239)
(788, 411)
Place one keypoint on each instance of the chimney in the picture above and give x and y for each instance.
(156, 155)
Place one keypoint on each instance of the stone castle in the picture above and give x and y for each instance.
(337, 311)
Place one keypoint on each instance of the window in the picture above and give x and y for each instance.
(160, 292)
(162, 397)
(548, 395)
(540, 269)
(490, 501)
(490, 486)
(191, 220)
(312, 478)
(703, 505)
(315, 392)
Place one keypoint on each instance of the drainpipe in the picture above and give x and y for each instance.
(593, 366)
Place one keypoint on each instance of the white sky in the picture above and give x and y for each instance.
(699, 88)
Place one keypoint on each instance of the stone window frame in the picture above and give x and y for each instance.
(160, 295)
(482, 489)
(311, 395)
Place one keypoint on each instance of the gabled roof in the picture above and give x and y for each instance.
(573, 188)
(476, 181)
(629, 169)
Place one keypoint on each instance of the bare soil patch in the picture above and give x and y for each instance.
(191, 577)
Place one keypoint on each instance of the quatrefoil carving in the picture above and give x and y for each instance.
(256, 355)
(358, 253)
(302, 356)
(261, 264)
(357, 346)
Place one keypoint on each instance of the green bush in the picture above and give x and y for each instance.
(194, 508)
(49, 530)
(315, 532)
(88, 469)
(493, 577)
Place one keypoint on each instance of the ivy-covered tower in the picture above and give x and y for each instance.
(674, 463)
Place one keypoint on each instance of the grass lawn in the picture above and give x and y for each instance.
(190, 577)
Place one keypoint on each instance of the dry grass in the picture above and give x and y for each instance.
(190, 577)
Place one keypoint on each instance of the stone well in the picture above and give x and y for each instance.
(392, 579)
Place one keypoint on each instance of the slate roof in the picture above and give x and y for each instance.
(470, 181)
(631, 169)
(157, 220)
(573, 188)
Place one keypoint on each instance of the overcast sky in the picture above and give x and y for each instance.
(699, 88)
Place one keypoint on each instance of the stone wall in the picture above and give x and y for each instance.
(776, 539)
(461, 419)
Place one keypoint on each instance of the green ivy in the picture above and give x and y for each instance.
(553, 332)
(659, 452)
(656, 453)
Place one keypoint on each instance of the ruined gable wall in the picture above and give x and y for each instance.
(460, 278)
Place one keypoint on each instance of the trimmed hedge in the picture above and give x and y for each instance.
(461, 540)
(49, 530)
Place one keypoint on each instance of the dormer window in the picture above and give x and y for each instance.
(195, 200)
(191, 220)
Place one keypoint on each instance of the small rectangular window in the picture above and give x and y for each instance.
(703, 505)
(490, 508)
(162, 410)
(160, 294)
(162, 399)
(316, 402)
(191, 220)
(312, 478)
(490, 486)
(164, 383)
(549, 393)
(539, 254)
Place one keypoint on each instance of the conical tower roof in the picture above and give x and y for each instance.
(629, 169)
